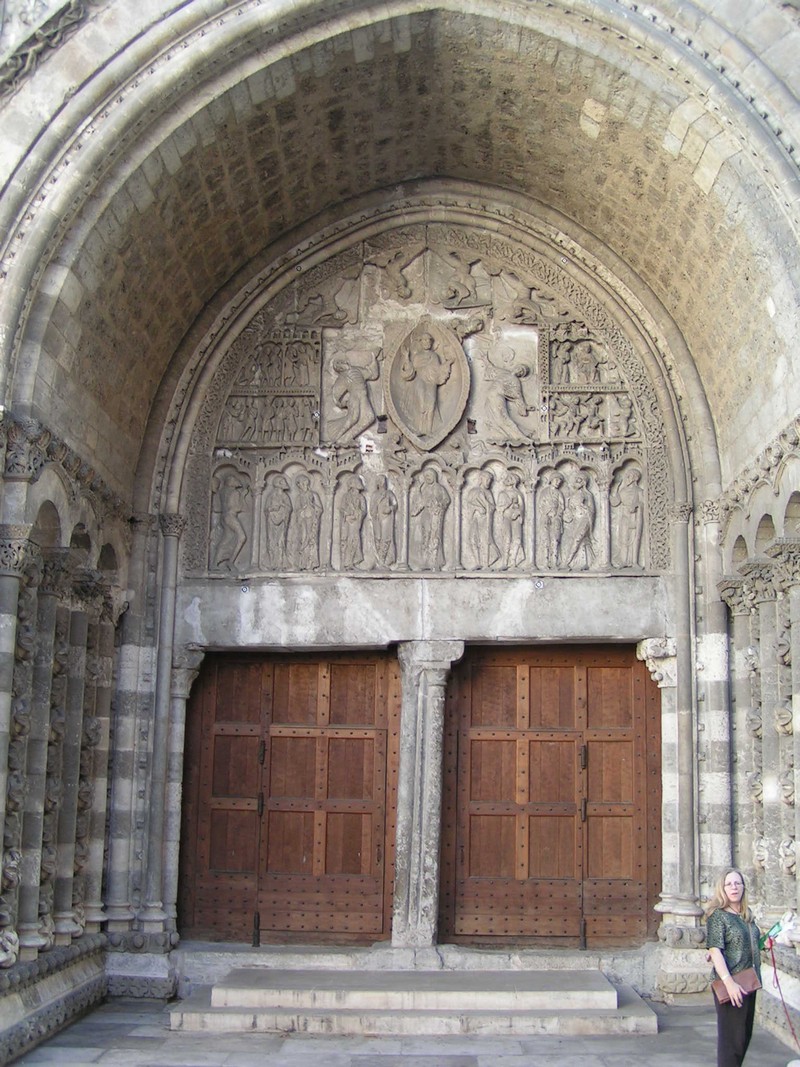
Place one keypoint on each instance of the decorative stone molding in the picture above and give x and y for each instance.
(766, 467)
(139, 942)
(756, 787)
(660, 656)
(760, 849)
(681, 512)
(788, 858)
(30, 446)
(27, 56)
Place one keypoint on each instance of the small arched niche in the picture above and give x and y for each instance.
(764, 534)
(46, 531)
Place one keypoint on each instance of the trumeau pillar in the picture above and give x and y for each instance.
(186, 669)
(425, 667)
(153, 915)
(759, 575)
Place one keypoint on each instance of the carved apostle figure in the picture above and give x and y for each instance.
(552, 506)
(278, 513)
(511, 518)
(352, 512)
(480, 508)
(579, 515)
(627, 500)
(425, 371)
(429, 506)
(350, 393)
(382, 510)
(307, 516)
(228, 535)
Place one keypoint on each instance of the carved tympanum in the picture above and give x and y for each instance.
(435, 398)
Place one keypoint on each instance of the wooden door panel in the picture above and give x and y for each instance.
(553, 770)
(612, 769)
(552, 797)
(297, 763)
(553, 847)
(553, 703)
(492, 770)
(542, 910)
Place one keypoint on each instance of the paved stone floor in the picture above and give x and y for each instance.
(133, 1033)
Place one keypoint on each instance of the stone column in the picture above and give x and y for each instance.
(67, 924)
(14, 558)
(31, 938)
(132, 708)
(187, 667)
(759, 574)
(715, 733)
(745, 725)
(103, 668)
(785, 551)
(153, 915)
(425, 666)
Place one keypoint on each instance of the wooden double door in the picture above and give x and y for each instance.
(552, 798)
(289, 793)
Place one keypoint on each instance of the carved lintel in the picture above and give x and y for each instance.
(660, 656)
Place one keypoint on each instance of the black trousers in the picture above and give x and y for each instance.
(734, 1030)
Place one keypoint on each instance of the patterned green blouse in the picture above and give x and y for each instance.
(731, 934)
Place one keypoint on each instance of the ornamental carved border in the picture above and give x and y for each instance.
(434, 398)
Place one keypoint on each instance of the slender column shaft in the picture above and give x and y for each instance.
(153, 915)
(425, 666)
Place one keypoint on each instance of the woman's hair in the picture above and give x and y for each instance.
(719, 898)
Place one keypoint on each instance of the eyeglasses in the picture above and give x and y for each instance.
(734, 885)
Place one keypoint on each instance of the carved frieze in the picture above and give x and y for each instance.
(436, 398)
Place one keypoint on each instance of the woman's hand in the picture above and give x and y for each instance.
(735, 991)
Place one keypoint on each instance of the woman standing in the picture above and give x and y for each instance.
(732, 940)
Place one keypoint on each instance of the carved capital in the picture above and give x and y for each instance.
(186, 667)
(172, 525)
(660, 656)
(25, 455)
(15, 550)
(785, 551)
(55, 572)
(759, 576)
(711, 511)
(681, 512)
(732, 590)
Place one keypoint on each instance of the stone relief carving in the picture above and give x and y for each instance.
(427, 341)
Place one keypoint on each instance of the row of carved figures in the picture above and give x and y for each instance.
(291, 522)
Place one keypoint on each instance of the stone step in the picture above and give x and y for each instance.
(415, 1002)
(253, 987)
